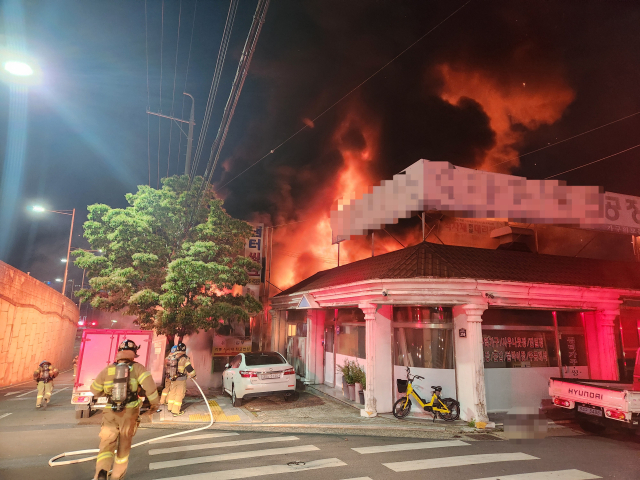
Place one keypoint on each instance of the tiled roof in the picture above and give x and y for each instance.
(447, 261)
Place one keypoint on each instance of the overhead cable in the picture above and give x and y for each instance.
(160, 103)
(215, 82)
(591, 163)
(349, 92)
(186, 77)
(146, 51)
(567, 139)
(173, 95)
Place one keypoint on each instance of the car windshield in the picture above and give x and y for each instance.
(252, 359)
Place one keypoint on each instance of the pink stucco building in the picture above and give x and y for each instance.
(489, 326)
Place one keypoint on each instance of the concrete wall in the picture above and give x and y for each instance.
(36, 323)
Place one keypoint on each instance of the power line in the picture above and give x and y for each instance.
(186, 77)
(173, 95)
(567, 139)
(591, 163)
(146, 52)
(160, 106)
(351, 91)
(215, 82)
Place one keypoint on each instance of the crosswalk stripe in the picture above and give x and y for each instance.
(27, 393)
(4, 415)
(258, 471)
(359, 478)
(236, 443)
(194, 437)
(12, 393)
(457, 461)
(409, 446)
(554, 475)
(58, 391)
(232, 456)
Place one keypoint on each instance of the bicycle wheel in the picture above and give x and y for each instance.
(399, 409)
(454, 410)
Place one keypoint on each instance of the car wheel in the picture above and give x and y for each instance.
(237, 402)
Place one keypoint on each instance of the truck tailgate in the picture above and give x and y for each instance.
(584, 393)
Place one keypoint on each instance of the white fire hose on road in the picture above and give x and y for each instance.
(53, 463)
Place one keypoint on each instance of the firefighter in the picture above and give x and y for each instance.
(44, 375)
(179, 367)
(119, 381)
(75, 365)
(167, 379)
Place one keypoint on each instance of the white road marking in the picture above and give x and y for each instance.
(237, 443)
(359, 478)
(457, 461)
(555, 475)
(12, 393)
(181, 438)
(409, 446)
(58, 391)
(4, 415)
(259, 471)
(232, 456)
(30, 391)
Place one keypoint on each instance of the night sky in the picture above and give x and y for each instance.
(496, 80)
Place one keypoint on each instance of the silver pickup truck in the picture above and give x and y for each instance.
(600, 403)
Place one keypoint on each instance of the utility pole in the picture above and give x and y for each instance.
(189, 135)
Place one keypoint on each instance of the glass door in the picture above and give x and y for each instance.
(329, 354)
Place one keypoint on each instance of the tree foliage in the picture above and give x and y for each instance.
(171, 268)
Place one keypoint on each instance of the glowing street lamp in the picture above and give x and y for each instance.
(63, 260)
(38, 208)
(58, 280)
(19, 69)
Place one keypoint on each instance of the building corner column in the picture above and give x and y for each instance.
(370, 404)
(607, 344)
(470, 362)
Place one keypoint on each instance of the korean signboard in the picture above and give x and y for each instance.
(253, 249)
(507, 349)
(224, 346)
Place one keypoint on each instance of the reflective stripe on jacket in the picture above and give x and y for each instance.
(184, 366)
(138, 376)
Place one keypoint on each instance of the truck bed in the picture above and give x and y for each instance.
(608, 384)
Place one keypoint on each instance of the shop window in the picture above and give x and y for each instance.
(423, 347)
(519, 348)
(352, 340)
(569, 319)
(573, 350)
(421, 314)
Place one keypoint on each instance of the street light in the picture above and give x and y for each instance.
(58, 279)
(38, 208)
(63, 260)
(19, 69)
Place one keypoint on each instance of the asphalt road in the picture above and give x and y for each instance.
(29, 437)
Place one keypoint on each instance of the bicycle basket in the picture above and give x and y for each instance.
(402, 385)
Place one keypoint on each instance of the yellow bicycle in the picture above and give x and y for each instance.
(447, 409)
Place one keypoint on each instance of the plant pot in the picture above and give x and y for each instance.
(345, 388)
(358, 388)
(361, 393)
(352, 392)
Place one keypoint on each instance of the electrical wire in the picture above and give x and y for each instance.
(160, 103)
(591, 163)
(186, 77)
(236, 88)
(349, 92)
(173, 95)
(215, 82)
(567, 139)
(146, 52)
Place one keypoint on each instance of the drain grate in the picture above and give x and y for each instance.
(482, 436)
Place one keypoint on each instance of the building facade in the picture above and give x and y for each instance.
(490, 326)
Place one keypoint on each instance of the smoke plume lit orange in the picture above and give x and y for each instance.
(507, 103)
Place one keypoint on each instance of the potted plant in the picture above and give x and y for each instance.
(358, 374)
(363, 382)
(348, 371)
(345, 369)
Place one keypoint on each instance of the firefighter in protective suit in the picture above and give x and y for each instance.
(119, 381)
(179, 366)
(44, 375)
(167, 379)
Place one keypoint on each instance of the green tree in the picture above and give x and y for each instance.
(171, 268)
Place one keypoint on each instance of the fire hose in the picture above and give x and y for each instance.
(53, 463)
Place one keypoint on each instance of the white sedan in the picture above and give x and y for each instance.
(258, 374)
